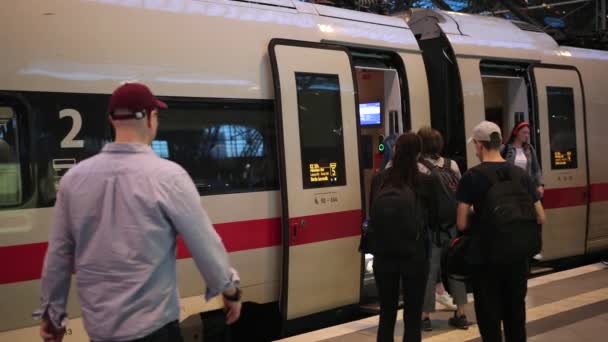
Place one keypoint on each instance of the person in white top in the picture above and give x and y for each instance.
(519, 152)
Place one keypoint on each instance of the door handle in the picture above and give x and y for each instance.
(295, 226)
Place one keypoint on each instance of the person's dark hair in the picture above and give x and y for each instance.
(516, 130)
(405, 161)
(432, 142)
(494, 144)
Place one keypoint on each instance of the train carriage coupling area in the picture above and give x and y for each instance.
(566, 306)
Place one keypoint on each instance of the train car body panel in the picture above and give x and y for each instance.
(209, 59)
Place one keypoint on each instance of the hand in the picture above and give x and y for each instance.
(233, 311)
(49, 333)
(541, 191)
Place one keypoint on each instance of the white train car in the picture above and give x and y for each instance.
(275, 109)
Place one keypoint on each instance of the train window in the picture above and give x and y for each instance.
(10, 166)
(562, 128)
(225, 147)
(161, 148)
(320, 120)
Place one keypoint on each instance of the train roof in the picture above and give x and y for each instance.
(216, 46)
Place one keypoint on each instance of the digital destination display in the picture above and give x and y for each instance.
(563, 160)
(323, 173)
(370, 114)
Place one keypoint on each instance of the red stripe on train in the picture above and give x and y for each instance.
(243, 235)
(599, 192)
(575, 196)
(24, 262)
(565, 197)
(310, 229)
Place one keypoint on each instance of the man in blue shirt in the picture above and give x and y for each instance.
(116, 221)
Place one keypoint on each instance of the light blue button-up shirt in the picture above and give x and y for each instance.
(115, 224)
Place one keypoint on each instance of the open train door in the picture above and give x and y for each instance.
(559, 100)
(315, 101)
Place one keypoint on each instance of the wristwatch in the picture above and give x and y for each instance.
(235, 297)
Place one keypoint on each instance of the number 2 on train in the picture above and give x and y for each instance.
(69, 141)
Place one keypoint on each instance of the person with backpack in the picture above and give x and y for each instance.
(446, 171)
(504, 228)
(401, 209)
(519, 152)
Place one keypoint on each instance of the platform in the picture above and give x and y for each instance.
(566, 306)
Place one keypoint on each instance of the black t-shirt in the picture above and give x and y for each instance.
(474, 186)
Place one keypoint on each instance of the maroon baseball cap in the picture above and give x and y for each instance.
(135, 97)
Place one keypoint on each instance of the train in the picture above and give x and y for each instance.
(281, 112)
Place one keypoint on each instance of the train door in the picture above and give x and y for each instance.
(320, 176)
(560, 112)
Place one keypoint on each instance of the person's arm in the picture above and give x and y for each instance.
(465, 197)
(462, 216)
(540, 213)
(530, 187)
(375, 186)
(57, 273)
(190, 220)
(537, 173)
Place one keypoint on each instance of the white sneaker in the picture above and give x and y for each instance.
(538, 257)
(446, 300)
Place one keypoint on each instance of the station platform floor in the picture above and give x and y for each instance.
(565, 306)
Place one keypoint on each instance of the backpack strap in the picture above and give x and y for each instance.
(447, 164)
(427, 164)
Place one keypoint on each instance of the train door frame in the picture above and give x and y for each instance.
(376, 143)
(349, 297)
(534, 79)
(516, 69)
(381, 59)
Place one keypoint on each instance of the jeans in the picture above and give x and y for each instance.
(458, 289)
(412, 276)
(500, 295)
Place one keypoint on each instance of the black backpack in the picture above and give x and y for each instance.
(397, 221)
(447, 204)
(454, 260)
(508, 226)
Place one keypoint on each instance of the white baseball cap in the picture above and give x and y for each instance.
(486, 131)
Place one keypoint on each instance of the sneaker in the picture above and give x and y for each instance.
(538, 257)
(426, 324)
(459, 322)
(446, 300)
